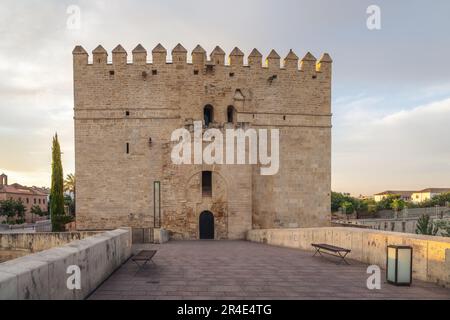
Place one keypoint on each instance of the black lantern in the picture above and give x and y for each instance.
(399, 265)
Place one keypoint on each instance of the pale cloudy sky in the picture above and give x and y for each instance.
(391, 88)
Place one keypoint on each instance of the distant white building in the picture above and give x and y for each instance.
(428, 194)
(405, 195)
(414, 196)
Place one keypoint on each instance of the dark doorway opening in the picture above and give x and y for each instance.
(206, 226)
(230, 114)
(208, 114)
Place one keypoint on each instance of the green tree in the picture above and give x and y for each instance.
(426, 226)
(57, 187)
(348, 207)
(69, 186)
(336, 200)
(13, 210)
(70, 203)
(397, 205)
(69, 183)
(371, 205)
(36, 210)
(385, 203)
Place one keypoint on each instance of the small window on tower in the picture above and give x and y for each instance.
(230, 114)
(128, 148)
(208, 114)
(127, 113)
(154, 72)
(207, 183)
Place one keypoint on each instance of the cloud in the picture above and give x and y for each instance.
(407, 149)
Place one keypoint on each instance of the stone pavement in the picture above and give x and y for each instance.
(245, 270)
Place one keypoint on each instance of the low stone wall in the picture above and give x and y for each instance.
(43, 275)
(35, 242)
(431, 255)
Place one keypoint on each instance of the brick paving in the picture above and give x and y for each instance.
(243, 270)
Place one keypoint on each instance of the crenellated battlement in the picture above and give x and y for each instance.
(179, 57)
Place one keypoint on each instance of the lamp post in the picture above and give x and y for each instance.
(399, 265)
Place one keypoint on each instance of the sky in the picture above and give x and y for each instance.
(391, 86)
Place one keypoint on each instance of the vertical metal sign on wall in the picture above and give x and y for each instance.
(157, 204)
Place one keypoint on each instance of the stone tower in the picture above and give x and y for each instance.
(126, 111)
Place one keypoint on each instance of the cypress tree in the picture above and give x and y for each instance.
(56, 193)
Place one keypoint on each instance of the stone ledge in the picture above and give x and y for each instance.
(43, 275)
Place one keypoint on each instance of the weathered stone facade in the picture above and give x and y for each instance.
(125, 113)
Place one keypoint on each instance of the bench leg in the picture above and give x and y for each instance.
(339, 255)
(343, 257)
(317, 251)
(142, 266)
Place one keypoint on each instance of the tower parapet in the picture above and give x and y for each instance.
(80, 56)
(119, 56)
(159, 55)
(179, 55)
(255, 59)
(291, 61)
(309, 66)
(218, 56)
(198, 57)
(139, 55)
(273, 60)
(236, 57)
(324, 64)
(100, 56)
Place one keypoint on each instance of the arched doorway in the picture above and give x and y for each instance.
(208, 114)
(206, 226)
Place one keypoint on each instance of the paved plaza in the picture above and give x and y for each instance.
(244, 270)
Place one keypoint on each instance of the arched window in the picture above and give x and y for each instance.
(208, 114)
(231, 114)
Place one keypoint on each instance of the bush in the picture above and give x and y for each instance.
(59, 222)
(425, 226)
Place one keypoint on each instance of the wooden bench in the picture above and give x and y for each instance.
(331, 250)
(143, 257)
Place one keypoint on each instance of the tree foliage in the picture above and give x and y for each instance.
(351, 204)
(13, 210)
(36, 210)
(348, 207)
(57, 187)
(69, 183)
